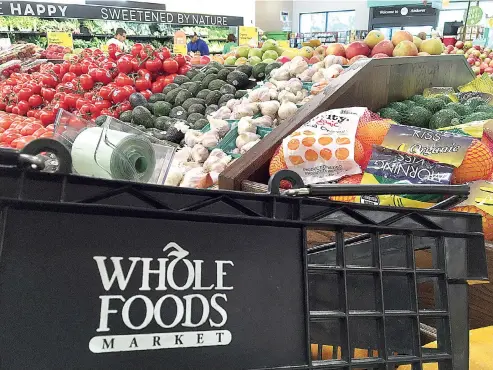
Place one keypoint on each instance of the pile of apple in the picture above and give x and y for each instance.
(479, 58)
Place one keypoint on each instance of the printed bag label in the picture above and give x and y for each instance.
(438, 146)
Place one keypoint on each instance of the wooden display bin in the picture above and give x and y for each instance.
(374, 85)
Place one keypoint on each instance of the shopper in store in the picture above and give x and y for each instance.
(230, 44)
(119, 39)
(197, 46)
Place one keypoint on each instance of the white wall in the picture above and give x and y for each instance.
(308, 6)
(268, 14)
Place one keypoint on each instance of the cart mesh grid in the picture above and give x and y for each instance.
(361, 296)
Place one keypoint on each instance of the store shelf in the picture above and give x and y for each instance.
(374, 85)
(84, 35)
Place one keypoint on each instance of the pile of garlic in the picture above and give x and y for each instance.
(330, 67)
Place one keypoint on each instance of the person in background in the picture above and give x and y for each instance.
(119, 39)
(197, 46)
(230, 44)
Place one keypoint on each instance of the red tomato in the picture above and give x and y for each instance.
(137, 64)
(30, 128)
(108, 112)
(35, 88)
(24, 94)
(89, 111)
(102, 104)
(153, 64)
(118, 95)
(7, 138)
(5, 123)
(124, 65)
(49, 80)
(20, 142)
(157, 87)
(112, 50)
(76, 68)
(183, 69)
(47, 134)
(136, 49)
(142, 84)
(170, 66)
(86, 82)
(35, 100)
(144, 73)
(166, 53)
(147, 94)
(129, 90)
(125, 106)
(123, 80)
(180, 59)
(103, 76)
(23, 106)
(69, 76)
(48, 93)
(71, 100)
(169, 79)
(80, 102)
(39, 132)
(47, 117)
(16, 110)
(105, 92)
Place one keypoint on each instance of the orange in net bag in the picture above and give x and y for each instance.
(323, 152)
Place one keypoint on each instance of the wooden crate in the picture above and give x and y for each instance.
(376, 84)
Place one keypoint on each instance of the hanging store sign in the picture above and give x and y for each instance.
(113, 13)
(403, 11)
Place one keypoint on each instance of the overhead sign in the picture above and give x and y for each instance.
(161, 299)
(60, 38)
(113, 13)
(403, 11)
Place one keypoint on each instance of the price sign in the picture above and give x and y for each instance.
(180, 43)
(283, 43)
(248, 36)
(60, 38)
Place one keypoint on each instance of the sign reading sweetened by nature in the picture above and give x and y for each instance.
(118, 291)
(114, 13)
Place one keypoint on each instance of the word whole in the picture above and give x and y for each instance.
(198, 318)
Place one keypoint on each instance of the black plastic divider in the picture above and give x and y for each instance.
(59, 230)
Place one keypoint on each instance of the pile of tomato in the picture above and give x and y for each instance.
(16, 131)
(91, 84)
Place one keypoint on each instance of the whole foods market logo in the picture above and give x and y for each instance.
(208, 323)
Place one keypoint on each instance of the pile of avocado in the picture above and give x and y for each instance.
(438, 111)
(188, 100)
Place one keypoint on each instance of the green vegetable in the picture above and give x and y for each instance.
(223, 74)
(170, 87)
(157, 97)
(225, 98)
(194, 117)
(227, 89)
(477, 116)
(270, 67)
(461, 109)
(203, 93)
(189, 102)
(418, 99)
(207, 80)
(162, 123)
(198, 77)
(196, 108)
(216, 85)
(162, 108)
(178, 112)
(443, 118)
(199, 124)
(193, 87)
(211, 71)
(390, 114)
(240, 94)
(211, 109)
(102, 119)
(238, 79)
(445, 98)
(171, 96)
(213, 98)
(174, 135)
(246, 69)
(258, 71)
(180, 79)
(142, 116)
(137, 99)
(182, 97)
(398, 106)
(417, 116)
(433, 104)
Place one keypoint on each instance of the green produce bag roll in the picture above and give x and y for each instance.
(113, 154)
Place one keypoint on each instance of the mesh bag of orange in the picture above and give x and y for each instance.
(329, 146)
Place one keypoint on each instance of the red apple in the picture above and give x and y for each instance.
(491, 64)
(283, 59)
(477, 63)
(471, 61)
(483, 66)
(357, 48)
(476, 70)
(487, 60)
(450, 48)
(477, 47)
(205, 59)
(336, 49)
(489, 70)
(459, 44)
(383, 47)
(379, 56)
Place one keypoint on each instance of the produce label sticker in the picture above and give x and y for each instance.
(438, 146)
(248, 36)
(60, 38)
(388, 166)
(323, 148)
(180, 43)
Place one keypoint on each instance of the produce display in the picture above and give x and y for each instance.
(91, 84)
(16, 131)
